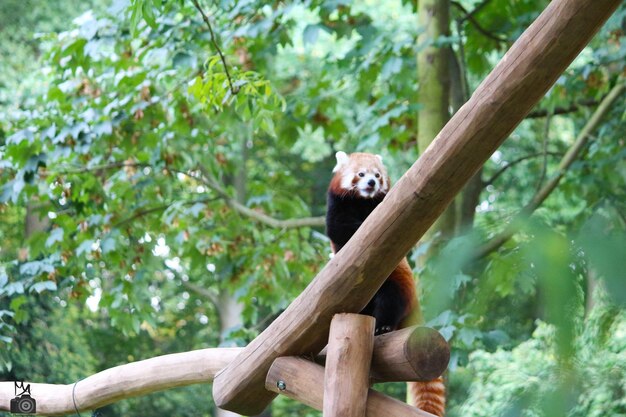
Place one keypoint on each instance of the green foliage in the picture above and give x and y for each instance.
(50, 343)
(529, 380)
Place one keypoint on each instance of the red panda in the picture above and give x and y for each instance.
(360, 182)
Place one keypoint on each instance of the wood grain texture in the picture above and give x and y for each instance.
(411, 354)
(300, 380)
(347, 372)
(124, 381)
(352, 277)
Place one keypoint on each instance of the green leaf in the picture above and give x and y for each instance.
(184, 60)
(148, 14)
(39, 287)
(56, 235)
(392, 66)
(310, 34)
(84, 247)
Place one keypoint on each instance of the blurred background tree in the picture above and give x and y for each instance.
(152, 203)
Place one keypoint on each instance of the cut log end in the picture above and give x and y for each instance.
(429, 353)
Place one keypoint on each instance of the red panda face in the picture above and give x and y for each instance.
(361, 173)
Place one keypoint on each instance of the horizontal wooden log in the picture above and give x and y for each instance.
(347, 371)
(301, 380)
(124, 381)
(352, 277)
(411, 354)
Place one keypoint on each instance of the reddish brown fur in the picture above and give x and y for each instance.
(429, 396)
(335, 185)
(403, 276)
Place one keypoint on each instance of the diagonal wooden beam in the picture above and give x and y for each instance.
(352, 277)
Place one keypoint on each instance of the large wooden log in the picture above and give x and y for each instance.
(352, 277)
(410, 354)
(124, 381)
(347, 372)
(300, 379)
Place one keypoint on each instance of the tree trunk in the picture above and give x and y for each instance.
(229, 309)
(35, 221)
(433, 73)
(434, 91)
(467, 201)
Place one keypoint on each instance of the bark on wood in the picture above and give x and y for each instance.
(411, 354)
(352, 277)
(346, 376)
(125, 381)
(424, 355)
(300, 380)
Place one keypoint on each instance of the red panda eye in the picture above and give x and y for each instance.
(377, 175)
(361, 174)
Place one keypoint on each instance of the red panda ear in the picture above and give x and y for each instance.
(342, 159)
(380, 158)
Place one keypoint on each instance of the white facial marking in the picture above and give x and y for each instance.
(346, 180)
(342, 159)
(368, 185)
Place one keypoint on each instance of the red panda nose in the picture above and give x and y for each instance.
(371, 183)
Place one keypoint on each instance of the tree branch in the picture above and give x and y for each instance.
(569, 158)
(514, 162)
(103, 167)
(562, 110)
(201, 291)
(150, 210)
(214, 185)
(256, 215)
(470, 16)
(233, 90)
(474, 12)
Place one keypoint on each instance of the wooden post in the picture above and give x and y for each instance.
(346, 376)
(300, 379)
(352, 277)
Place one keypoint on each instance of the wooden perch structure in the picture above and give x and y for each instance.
(352, 277)
(410, 354)
(252, 376)
(397, 356)
(299, 379)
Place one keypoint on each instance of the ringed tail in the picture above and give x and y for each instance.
(428, 396)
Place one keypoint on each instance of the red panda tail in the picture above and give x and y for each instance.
(428, 396)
